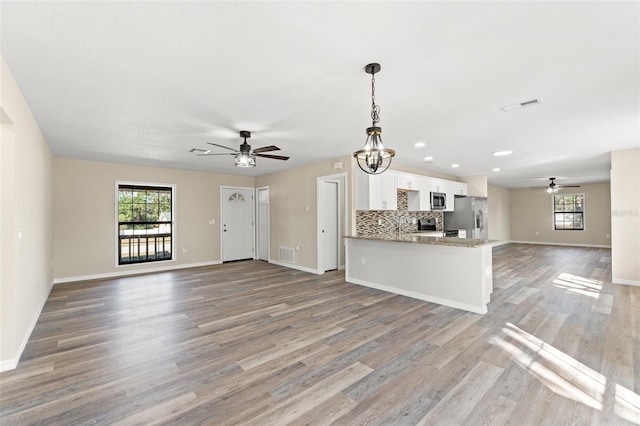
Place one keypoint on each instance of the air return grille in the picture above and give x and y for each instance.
(286, 254)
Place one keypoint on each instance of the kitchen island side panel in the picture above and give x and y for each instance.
(459, 277)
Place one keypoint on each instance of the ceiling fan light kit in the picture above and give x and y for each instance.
(244, 156)
(554, 187)
(374, 158)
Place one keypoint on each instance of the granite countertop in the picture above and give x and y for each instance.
(417, 239)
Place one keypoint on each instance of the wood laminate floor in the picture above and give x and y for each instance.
(255, 343)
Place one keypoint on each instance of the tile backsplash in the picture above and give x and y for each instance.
(367, 220)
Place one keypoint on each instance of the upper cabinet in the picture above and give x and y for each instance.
(379, 192)
(451, 189)
(408, 181)
(438, 185)
(420, 199)
(376, 192)
(458, 188)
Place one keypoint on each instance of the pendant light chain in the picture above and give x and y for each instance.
(374, 158)
(375, 109)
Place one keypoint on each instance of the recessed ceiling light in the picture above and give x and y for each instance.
(428, 159)
(497, 169)
(501, 153)
(455, 165)
(419, 144)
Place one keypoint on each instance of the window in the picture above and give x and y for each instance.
(568, 212)
(145, 223)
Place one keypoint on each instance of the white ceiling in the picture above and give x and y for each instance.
(144, 82)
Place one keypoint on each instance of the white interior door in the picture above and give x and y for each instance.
(237, 223)
(329, 225)
(263, 224)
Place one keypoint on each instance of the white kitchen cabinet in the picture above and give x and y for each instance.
(452, 189)
(407, 181)
(376, 192)
(437, 185)
(459, 188)
(380, 192)
(420, 199)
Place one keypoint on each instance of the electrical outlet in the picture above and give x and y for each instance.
(212, 221)
(363, 261)
(184, 249)
(379, 221)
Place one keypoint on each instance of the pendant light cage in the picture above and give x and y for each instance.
(374, 158)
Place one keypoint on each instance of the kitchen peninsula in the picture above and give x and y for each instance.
(454, 272)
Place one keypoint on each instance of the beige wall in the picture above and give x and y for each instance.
(84, 212)
(477, 185)
(499, 200)
(291, 225)
(27, 204)
(532, 212)
(625, 216)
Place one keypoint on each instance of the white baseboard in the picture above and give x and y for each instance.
(11, 364)
(625, 282)
(544, 243)
(438, 300)
(298, 267)
(8, 364)
(133, 272)
(499, 243)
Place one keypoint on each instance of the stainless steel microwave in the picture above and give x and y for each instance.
(438, 201)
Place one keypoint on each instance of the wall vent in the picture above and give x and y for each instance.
(511, 107)
(286, 254)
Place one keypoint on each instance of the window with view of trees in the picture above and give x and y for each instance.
(145, 223)
(568, 212)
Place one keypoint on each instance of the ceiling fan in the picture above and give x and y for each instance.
(554, 187)
(245, 156)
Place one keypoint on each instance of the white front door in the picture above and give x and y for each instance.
(237, 223)
(263, 223)
(329, 225)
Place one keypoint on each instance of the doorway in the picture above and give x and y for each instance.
(330, 213)
(237, 223)
(262, 209)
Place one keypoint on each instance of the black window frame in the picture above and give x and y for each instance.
(131, 245)
(569, 211)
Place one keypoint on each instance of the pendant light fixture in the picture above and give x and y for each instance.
(374, 158)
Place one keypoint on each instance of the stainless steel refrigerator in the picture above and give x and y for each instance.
(470, 214)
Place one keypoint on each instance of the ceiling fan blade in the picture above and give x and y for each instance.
(266, 149)
(274, 157)
(222, 146)
(211, 153)
(569, 186)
